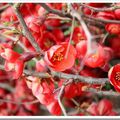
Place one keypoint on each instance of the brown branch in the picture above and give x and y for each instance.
(26, 31)
(4, 7)
(60, 13)
(100, 9)
(60, 101)
(76, 78)
(54, 11)
(6, 86)
(18, 102)
(103, 93)
(101, 20)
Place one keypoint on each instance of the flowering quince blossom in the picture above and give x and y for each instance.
(78, 34)
(15, 61)
(114, 76)
(104, 107)
(113, 28)
(43, 90)
(55, 57)
(117, 12)
(96, 59)
(114, 44)
(106, 15)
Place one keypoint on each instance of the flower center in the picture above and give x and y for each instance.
(117, 76)
(57, 57)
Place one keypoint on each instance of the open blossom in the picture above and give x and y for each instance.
(113, 28)
(55, 57)
(114, 76)
(104, 107)
(95, 59)
(14, 61)
(42, 89)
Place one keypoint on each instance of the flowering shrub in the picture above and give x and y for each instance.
(57, 59)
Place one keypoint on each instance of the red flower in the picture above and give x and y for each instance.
(54, 108)
(96, 59)
(78, 35)
(96, 5)
(106, 15)
(55, 57)
(114, 76)
(104, 107)
(117, 12)
(15, 61)
(8, 15)
(113, 28)
(114, 43)
(43, 90)
(34, 23)
(47, 40)
(81, 48)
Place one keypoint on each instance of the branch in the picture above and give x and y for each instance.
(100, 9)
(26, 31)
(6, 86)
(76, 78)
(101, 20)
(54, 11)
(4, 7)
(59, 100)
(103, 93)
(18, 102)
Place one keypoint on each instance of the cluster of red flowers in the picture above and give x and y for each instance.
(52, 34)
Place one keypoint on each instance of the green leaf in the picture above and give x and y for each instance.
(77, 62)
(18, 49)
(31, 63)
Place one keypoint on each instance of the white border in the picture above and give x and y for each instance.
(58, 1)
(59, 117)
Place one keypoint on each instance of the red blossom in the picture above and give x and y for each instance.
(55, 57)
(106, 15)
(104, 107)
(114, 76)
(113, 28)
(114, 43)
(96, 59)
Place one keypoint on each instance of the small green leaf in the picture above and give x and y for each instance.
(77, 62)
(31, 63)
(18, 49)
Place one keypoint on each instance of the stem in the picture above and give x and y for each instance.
(18, 102)
(59, 100)
(26, 32)
(57, 12)
(71, 35)
(100, 9)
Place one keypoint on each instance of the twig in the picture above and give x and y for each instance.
(4, 7)
(103, 93)
(100, 9)
(59, 100)
(54, 11)
(101, 20)
(71, 35)
(6, 86)
(18, 102)
(26, 31)
(19, 43)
